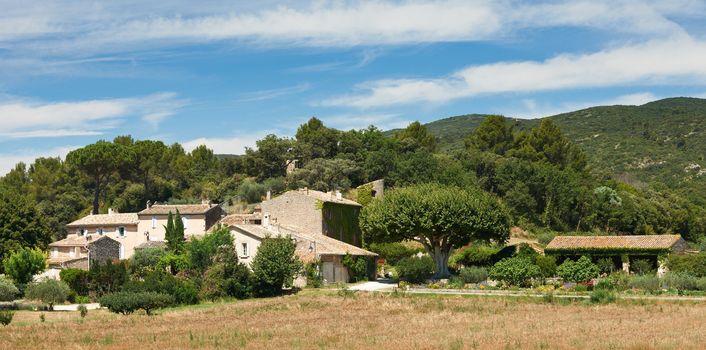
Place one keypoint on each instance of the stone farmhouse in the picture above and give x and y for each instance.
(82, 252)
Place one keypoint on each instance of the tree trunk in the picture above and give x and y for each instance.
(441, 259)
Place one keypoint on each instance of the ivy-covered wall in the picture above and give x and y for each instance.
(341, 222)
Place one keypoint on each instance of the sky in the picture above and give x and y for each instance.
(227, 73)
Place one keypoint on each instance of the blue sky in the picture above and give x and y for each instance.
(226, 73)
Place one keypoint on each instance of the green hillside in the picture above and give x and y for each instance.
(659, 142)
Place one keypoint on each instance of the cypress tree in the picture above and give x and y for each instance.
(178, 233)
(169, 231)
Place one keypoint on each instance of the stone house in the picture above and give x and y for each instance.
(621, 249)
(310, 247)
(315, 212)
(197, 219)
(120, 227)
(82, 251)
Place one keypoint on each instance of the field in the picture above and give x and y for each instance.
(320, 319)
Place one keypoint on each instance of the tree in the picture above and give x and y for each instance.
(8, 291)
(439, 217)
(494, 134)
(202, 251)
(515, 271)
(226, 277)
(326, 174)
(49, 292)
(270, 158)
(99, 161)
(314, 140)
(415, 136)
(23, 264)
(148, 155)
(174, 232)
(578, 271)
(21, 225)
(275, 265)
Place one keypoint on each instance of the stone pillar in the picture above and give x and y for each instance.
(661, 266)
(626, 263)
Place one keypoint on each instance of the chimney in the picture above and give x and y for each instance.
(269, 195)
(148, 205)
(110, 211)
(206, 201)
(339, 196)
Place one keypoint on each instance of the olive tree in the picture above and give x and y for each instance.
(441, 218)
(49, 292)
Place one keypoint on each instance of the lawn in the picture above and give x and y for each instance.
(323, 319)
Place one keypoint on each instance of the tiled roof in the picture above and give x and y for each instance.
(329, 197)
(184, 209)
(106, 219)
(237, 219)
(76, 241)
(64, 259)
(614, 242)
(323, 245)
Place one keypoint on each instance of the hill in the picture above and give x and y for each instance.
(659, 142)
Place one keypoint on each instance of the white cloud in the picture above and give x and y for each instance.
(225, 145)
(62, 27)
(655, 62)
(273, 93)
(8, 161)
(532, 109)
(22, 118)
(361, 121)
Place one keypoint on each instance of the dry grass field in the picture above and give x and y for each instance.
(320, 319)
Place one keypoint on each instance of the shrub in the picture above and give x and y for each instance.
(8, 291)
(393, 252)
(694, 264)
(145, 261)
(173, 263)
(128, 302)
(605, 284)
(226, 277)
(473, 274)
(577, 271)
(274, 266)
(478, 255)
(23, 264)
(313, 277)
(202, 251)
(49, 292)
(6, 317)
(642, 266)
(525, 251)
(415, 269)
(679, 281)
(357, 267)
(183, 290)
(83, 310)
(546, 264)
(605, 265)
(76, 279)
(545, 237)
(81, 300)
(648, 283)
(602, 296)
(619, 280)
(107, 278)
(515, 271)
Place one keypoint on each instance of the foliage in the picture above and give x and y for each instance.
(173, 263)
(642, 266)
(326, 175)
(202, 250)
(545, 237)
(477, 255)
(23, 264)
(128, 302)
(473, 274)
(439, 217)
(22, 226)
(578, 271)
(602, 296)
(76, 279)
(546, 264)
(145, 260)
(183, 290)
(341, 222)
(605, 265)
(48, 291)
(357, 267)
(415, 269)
(679, 281)
(393, 252)
(226, 277)
(648, 283)
(107, 278)
(694, 264)
(174, 232)
(415, 136)
(83, 310)
(313, 275)
(516, 271)
(6, 317)
(274, 266)
(8, 291)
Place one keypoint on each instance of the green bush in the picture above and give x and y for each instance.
(517, 271)
(107, 278)
(145, 261)
(546, 264)
(679, 281)
(202, 251)
(578, 271)
(605, 284)
(648, 283)
(545, 237)
(642, 266)
(605, 265)
(694, 264)
(619, 280)
(49, 292)
(415, 269)
(8, 291)
(184, 291)
(77, 280)
(83, 310)
(473, 274)
(24, 263)
(128, 302)
(477, 255)
(393, 252)
(313, 276)
(275, 266)
(602, 296)
(226, 277)
(6, 317)
(357, 267)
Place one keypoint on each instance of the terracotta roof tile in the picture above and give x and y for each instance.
(328, 197)
(239, 219)
(76, 241)
(187, 209)
(614, 242)
(106, 219)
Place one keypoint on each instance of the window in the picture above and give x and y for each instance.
(185, 221)
(245, 249)
(82, 231)
(121, 231)
(154, 222)
(99, 231)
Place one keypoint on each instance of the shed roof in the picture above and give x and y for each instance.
(651, 242)
(184, 209)
(106, 219)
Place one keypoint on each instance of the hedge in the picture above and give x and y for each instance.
(128, 302)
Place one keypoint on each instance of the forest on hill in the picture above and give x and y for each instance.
(616, 169)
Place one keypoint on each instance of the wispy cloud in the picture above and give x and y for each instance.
(226, 145)
(384, 121)
(273, 93)
(23, 118)
(531, 108)
(8, 161)
(655, 62)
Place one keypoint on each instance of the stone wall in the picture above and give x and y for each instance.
(102, 250)
(294, 209)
